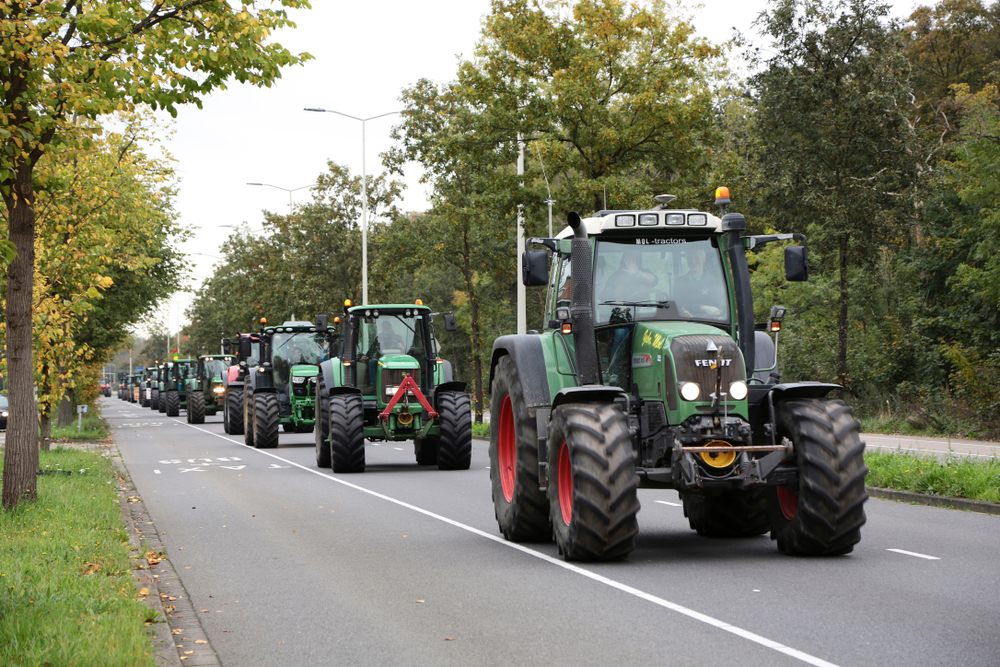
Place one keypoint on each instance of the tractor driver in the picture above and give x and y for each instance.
(701, 290)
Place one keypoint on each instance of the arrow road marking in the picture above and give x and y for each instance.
(234, 467)
(913, 553)
(576, 569)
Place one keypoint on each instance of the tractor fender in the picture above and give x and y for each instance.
(232, 376)
(336, 391)
(588, 394)
(446, 386)
(793, 390)
(446, 375)
(333, 376)
(260, 383)
(526, 353)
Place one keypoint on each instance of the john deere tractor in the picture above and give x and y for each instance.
(387, 382)
(281, 389)
(652, 373)
(174, 385)
(204, 388)
(246, 353)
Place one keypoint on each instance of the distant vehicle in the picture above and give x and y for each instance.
(3, 413)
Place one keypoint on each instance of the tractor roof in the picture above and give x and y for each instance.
(648, 221)
(292, 326)
(389, 308)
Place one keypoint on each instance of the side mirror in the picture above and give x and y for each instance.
(796, 264)
(244, 350)
(450, 324)
(321, 323)
(227, 346)
(535, 268)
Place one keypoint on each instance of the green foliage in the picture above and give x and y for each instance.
(954, 477)
(481, 429)
(93, 427)
(67, 595)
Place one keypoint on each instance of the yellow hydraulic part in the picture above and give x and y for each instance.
(405, 418)
(718, 459)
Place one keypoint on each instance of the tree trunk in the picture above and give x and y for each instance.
(477, 362)
(67, 410)
(45, 435)
(20, 462)
(842, 323)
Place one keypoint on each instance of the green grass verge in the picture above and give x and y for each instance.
(482, 430)
(94, 428)
(67, 596)
(953, 477)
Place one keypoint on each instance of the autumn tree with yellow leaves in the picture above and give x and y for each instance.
(67, 61)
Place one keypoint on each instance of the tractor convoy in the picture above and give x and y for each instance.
(651, 372)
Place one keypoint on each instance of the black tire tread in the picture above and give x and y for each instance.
(234, 411)
(347, 433)
(455, 418)
(322, 433)
(265, 420)
(172, 404)
(196, 407)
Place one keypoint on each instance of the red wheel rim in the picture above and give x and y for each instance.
(565, 484)
(506, 449)
(788, 501)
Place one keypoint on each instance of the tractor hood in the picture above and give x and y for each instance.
(305, 370)
(398, 361)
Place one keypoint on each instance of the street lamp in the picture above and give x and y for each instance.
(364, 197)
(289, 191)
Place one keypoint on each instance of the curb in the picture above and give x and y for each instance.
(981, 506)
(173, 638)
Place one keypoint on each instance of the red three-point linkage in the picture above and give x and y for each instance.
(408, 385)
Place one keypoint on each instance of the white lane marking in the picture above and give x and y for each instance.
(191, 470)
(913, 553)
(593, 576)
(398, 449)
(667, 502)
(157, 472)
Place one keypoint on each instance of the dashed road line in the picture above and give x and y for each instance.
(667, 502)
(913, 553)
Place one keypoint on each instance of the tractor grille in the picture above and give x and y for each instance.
(307, 388)
(690, 359)
(393, 377)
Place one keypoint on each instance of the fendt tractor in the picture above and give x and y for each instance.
(651, 373)
(281, 389)
(174, 385)
(204, 388)
(387, 382)
(245, 353)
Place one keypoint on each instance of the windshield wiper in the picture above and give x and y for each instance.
(644, 304)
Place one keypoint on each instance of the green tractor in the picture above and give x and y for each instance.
(205, 392)
(151, 386)
(651, 373)
(281, 389)
(388, 383)
(174, 385)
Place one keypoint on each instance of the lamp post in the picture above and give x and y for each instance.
(288, 190)
(364, 196)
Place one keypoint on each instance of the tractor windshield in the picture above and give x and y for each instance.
(659, 279)
(388, 334)
(216, 367)
(294, 349)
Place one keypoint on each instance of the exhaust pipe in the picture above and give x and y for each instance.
(581, 304)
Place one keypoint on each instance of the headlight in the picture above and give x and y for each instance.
(391, 391)
(3, 414)
(690, 391)
(298, 379)
(218, 389)
(738, 390)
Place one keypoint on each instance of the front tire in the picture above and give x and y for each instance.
(153, 402)
(521, 509)
(322, 432)
(824, 514)
(161, 402)
(347, 433)
(455, 419)
(172, 404)
(265, 421)
(592, 482)
(196, 407)
(729, 513)
(246, 412)
(234, 411)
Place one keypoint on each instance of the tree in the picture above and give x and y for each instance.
(834, 142)
(66, 60)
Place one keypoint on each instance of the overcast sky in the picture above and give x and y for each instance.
(364, 54)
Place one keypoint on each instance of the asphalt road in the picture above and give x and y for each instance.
(404, 565)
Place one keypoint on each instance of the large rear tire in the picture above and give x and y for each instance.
(153, 402)
(455, 419)
(172, 403)
(521, 508)
(265, 420)
(426, 451)
(322, 432)
(246, 411)
(234, 411)
(729, 513)
(347, 433)
(196, 407)
(593, 485)
(824, 514)
(161, 403)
